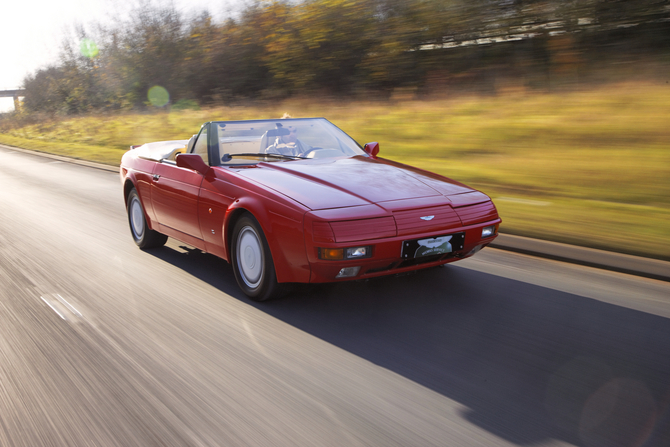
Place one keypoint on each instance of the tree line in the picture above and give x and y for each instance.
(278, 48)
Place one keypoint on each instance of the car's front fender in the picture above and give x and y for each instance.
(282, 227)
(140, 179)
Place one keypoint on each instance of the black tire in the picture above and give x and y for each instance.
(143, 236)
(252, 261)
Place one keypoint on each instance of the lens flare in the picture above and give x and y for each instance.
(621, 412)
(158, 96)
(88, 48)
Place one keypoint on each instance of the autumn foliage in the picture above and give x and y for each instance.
(360, 48)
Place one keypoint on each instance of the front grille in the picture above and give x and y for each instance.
(410, 222)
(424, 260)
(474, 214)
(381, 269)
(359, 230)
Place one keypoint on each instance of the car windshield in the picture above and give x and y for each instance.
(245, 142)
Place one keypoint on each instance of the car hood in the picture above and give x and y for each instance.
(346, 182)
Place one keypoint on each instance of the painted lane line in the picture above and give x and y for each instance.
(53, 308)
(68, 305)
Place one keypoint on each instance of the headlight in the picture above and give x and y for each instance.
(357, 253)
(489, 231)
(339, 254)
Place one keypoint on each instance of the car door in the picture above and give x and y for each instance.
(175, 192)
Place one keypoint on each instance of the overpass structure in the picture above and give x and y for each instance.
(13, 94)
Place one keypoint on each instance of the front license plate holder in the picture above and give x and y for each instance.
(432, 246)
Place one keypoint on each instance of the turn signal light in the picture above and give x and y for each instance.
(339, 254)
(332, 254)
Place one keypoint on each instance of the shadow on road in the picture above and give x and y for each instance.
(529, 363)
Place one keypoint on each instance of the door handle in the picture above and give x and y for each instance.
(156, 176)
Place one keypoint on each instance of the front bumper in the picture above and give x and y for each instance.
(386, 255)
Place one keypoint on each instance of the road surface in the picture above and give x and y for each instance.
(102, 344)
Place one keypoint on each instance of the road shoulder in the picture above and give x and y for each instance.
(634, 265)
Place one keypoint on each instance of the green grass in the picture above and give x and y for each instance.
(590, 168)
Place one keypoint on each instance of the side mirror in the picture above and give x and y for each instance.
(192, 161)
(372, 149)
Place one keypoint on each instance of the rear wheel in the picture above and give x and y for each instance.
(143, 236)
(252, 260)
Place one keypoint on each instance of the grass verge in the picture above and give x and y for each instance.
(589, 168)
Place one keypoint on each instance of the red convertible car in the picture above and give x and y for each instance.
(299, 201)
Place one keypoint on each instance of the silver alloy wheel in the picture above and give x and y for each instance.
(136, 218)
(250, 258)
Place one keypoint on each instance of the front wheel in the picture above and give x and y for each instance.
(143, 236)
(252, 260)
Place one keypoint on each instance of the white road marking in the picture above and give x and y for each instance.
(61, 306)
(53, 308)
(68, 305)
(250, 333)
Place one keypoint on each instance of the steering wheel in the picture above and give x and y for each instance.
(310, 150)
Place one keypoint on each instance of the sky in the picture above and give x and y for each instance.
(31, 32)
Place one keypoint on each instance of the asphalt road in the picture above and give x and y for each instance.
(102, 344)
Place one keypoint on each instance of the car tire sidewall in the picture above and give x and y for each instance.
(136, 219)
(143, 236)
(258, 257)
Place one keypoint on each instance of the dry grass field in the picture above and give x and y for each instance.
(587, 167)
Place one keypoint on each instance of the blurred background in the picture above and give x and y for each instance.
(560, 110)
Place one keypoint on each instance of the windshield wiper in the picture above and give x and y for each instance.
(228, 157)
